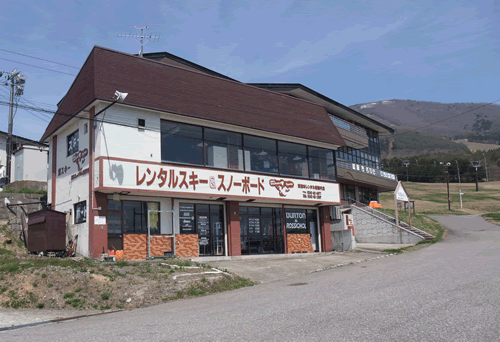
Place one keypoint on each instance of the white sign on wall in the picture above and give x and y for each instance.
(190, 180)
(99, 220)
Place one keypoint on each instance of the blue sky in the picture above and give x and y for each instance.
(353, 52)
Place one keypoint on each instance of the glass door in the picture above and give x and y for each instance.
(209, 221)
(261, 230)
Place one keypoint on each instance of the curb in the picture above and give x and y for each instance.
(349, 263)
(55, 321)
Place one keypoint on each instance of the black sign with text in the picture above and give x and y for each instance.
(296, 221)
(186, 218)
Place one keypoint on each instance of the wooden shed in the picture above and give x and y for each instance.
(46, 231)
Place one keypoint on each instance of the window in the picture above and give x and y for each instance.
(181, 143)
(260, 154)
(321, 163)
(85, 128)
(293, 159)
(196, 145)
(223, 149)
(73, 140)
(80, 212)
(135, 217)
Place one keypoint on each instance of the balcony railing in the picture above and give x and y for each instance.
(345, 164)
(349, 126)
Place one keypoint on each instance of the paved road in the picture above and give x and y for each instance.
(446, 292)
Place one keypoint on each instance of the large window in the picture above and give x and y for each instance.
(321, 163)
(135, 217)
(293, 159)
(190, 144)
(368, 156)
(223, 149)
(80, 212)
(73, 143)
(260, 154)
(181, 143)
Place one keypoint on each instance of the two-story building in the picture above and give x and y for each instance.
(190, 163)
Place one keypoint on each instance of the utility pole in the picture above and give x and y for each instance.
(476, 164)
(15, 80)
(447, 182)
(140, 37)
(458, 169)
(486, 167)
(406, 163)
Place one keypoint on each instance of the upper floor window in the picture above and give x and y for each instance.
(293, 159)
(191, 144)
(223, 149)
(260, 154)
(73, 143)
(181, 143)
(321, 163)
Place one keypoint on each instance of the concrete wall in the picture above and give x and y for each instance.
(371, 229)
(71, 191)
(343, 236)
(30, 163)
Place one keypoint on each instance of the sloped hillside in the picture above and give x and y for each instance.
(456, 119)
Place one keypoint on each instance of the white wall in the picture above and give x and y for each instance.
(30, 163)
(3, 150)
(68, 191)
(129, 142)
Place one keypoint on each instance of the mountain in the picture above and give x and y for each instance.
(443, 119)
(431, 127)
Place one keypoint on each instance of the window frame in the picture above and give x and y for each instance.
(75, 207)
(67, 142)
(244, 149)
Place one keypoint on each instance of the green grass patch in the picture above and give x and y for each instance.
(493, 216)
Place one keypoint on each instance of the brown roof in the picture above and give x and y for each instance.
(167, 88)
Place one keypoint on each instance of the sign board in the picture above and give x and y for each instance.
(296, 221)
(100, 220)
(186, 218)
(185, 180)
(401, 194)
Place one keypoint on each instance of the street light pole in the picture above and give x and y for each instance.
(476, 164)
(458, 169)
(406, 163)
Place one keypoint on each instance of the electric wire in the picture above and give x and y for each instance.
(36, 66)
(41, 59)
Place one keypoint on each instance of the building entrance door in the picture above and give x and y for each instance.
(261, 230)
(206, 220)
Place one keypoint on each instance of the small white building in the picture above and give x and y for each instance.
(30, 163)
(31, 156)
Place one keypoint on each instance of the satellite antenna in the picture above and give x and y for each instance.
(141, 38)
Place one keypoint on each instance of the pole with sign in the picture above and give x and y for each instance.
(400, 194)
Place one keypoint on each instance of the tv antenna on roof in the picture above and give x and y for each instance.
(141, 37)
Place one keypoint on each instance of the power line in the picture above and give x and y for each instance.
(41, 59)
(61, 72)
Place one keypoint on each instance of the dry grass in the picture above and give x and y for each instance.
(475, 146)
(431, 198)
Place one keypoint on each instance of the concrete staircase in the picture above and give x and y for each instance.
(386, 217)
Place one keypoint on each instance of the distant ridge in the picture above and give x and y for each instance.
(432, 127)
